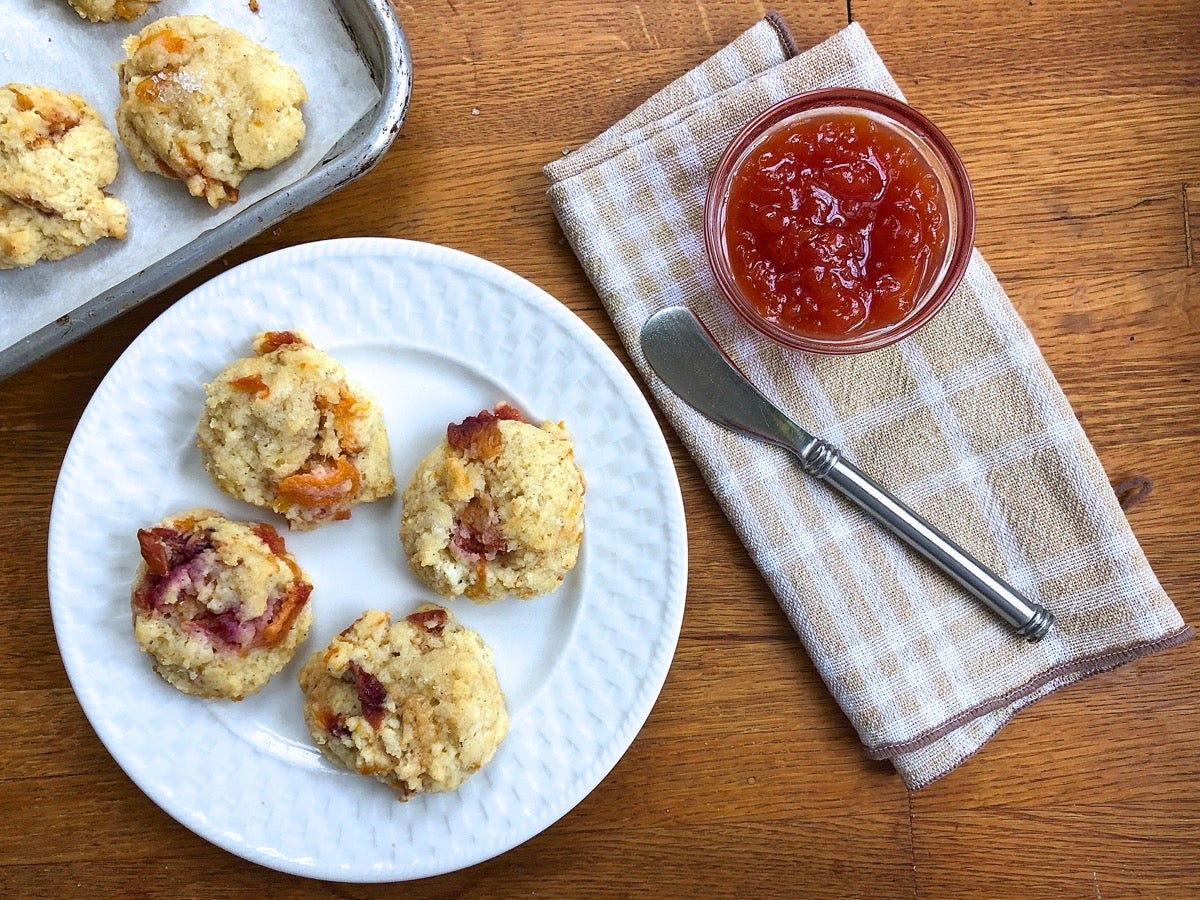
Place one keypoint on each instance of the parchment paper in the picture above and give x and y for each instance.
(45, 42)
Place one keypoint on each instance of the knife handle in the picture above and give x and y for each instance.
(1028, 619)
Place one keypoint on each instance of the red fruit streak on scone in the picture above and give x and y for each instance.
(479, 436)
(181, 576)
(333, 723)
(372, 695)
(264, 631)
(165, 549)
(432, 621)
(174, 557)
(477, 533)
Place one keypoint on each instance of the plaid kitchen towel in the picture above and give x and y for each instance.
(963, 421)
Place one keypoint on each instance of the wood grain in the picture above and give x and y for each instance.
(1079, 126)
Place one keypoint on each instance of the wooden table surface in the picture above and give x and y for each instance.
(1080, 126)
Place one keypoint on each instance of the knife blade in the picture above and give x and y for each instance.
(686, 357)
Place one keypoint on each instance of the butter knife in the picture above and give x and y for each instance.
(683, 353)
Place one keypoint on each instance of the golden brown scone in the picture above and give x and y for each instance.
(284, 429)
(203, 103)
(110, 10)
(414, 703)
(221, 606)
(56, 158)
(495, 509)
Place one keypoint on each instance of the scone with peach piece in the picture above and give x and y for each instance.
(286, 430)
(110, 10)
(205, 104)
(496, 509)
(414, 703)
(220, 606)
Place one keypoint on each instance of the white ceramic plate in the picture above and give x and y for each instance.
(436, 335)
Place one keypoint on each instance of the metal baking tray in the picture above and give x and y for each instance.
(381, 42)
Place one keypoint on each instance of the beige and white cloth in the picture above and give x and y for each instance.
(964, 421)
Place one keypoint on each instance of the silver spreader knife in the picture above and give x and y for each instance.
(684, 354)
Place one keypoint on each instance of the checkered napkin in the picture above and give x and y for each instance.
(963, 421)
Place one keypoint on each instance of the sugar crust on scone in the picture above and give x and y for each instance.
(496, 509)
(220, 606)
(56, 158)
(414, 703)
(205, 104)
(286, 430)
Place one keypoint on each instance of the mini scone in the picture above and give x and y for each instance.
(110, 10)
(205, 104)
(220, 606)
(496, 509)
(415, 703)
(284, 429)
(56, 159)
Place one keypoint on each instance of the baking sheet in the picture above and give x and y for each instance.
(46, 42)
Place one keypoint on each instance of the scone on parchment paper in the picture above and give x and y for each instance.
(110, 10)
(415, 703)
(205, 104)
(220, 606)
(56, 158)
(496, 509)
(286, 430)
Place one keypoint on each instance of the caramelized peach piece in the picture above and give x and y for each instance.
(344, 412)
(273, 340)
(269, 536)
(128, 11)
(285, 616)
(170, 41)
(252, 384)
(163, 88)
(325, 483)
